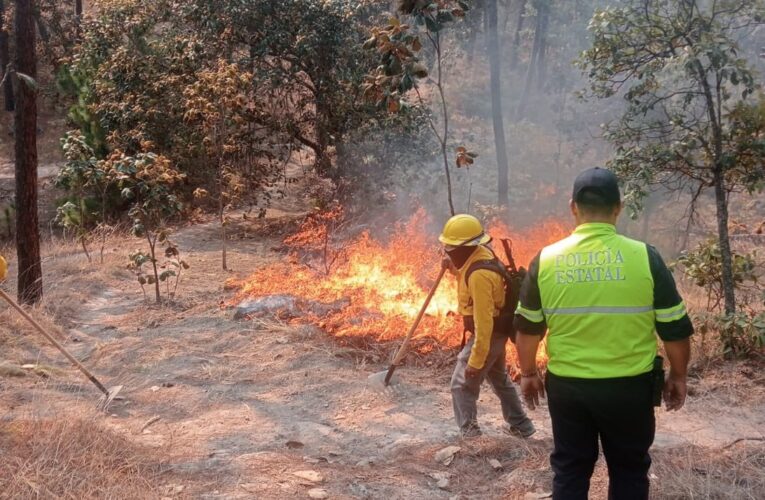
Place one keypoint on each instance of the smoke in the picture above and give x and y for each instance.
(548, 139)
(550, 133)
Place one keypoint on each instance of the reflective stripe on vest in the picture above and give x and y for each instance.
(597, 298)
(671, 314)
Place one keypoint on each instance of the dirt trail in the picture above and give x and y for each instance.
(238, 407)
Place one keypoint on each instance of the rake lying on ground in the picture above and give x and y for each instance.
(109, 394)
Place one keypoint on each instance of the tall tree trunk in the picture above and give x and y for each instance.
(532, 68)
(492, 47)
(517, 37)
(721, 202)
(714, 112)
(474, 22)
(27, 230)
(543, 8)
(5, 59)
(78, 10)
(645, 218)
(322, 162)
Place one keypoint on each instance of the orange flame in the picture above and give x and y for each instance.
(386, 282)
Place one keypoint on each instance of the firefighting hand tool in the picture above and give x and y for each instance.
(109, 394)
(463, 230)
(381, 380)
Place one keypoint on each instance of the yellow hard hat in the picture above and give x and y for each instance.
(463, 230)
(3, 268)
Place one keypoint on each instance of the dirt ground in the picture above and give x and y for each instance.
(219, 408)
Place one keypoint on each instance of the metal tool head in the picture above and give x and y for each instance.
(106, 400)
(376, 382)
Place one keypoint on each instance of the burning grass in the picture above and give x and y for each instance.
(72, 458)
(385, 280)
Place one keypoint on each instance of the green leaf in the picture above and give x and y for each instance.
(166, 274)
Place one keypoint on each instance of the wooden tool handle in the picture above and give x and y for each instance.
(53, 341)
(404, 346)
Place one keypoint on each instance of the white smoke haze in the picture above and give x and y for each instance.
(551, 134)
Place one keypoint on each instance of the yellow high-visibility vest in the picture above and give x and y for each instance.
(597, 298)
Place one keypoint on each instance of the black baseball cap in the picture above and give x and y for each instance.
(597, 180)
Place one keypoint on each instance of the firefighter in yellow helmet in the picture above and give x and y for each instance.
(3, 268)
(481, 297)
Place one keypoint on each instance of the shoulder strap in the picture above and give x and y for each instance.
(490, 265)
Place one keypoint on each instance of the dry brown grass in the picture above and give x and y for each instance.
(73, 458)
(693, 472)
(68, 281)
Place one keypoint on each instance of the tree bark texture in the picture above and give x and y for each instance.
(27, 225)
(713, 109)
(721, 203)
(223, 235)
(492, 47)
(474, 22)
(543, 8)
(5, 59)
(517, 36)
(532, 67)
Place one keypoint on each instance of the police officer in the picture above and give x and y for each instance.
(481, 296)
(601, 296)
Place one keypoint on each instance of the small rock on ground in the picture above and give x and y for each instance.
(309, 475)
(446, 455)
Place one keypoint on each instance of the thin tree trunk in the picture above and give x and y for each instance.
(492, 48)
(517, 38)
(714, 111)
(646, 215)
(223, 236)
(445, 112)
(322, 162)
(435, 40)
(84, 243)
(521, 111)
(152, 248)
(103, 223)
(30, 287)
(474, 25)
(42, 30)
(721, 202)
(544, 20)
(5, 59)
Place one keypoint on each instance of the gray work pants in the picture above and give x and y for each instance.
(465, 392)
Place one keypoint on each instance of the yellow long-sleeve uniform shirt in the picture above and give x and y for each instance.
(3, 268)
(483, 297)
